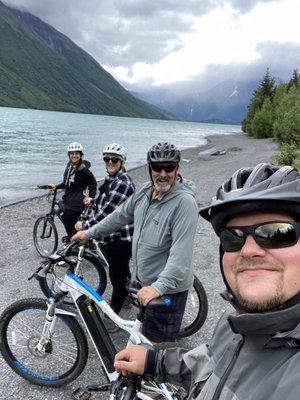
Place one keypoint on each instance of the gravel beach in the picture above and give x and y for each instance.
(19, 258)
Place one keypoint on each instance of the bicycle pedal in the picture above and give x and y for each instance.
(85, 393)
(81, 394)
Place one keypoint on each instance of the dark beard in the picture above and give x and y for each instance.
(267, 305)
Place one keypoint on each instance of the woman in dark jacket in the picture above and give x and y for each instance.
(78, 182)
(116, 188)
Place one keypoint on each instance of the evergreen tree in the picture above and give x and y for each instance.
(294, 81)
(267, 85)
(265, 90)
(262, 123)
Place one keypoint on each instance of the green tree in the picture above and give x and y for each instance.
(265, 90)
(287, 118)
(255, 105)
(262, 123)
(294, 81)
(267, 85)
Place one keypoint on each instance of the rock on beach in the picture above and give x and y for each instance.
(208, 167)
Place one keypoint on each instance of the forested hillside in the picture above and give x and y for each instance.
(42, 68)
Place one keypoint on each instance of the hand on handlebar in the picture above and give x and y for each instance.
(52, 186)
(78, 226)
(131, 360)
(87, 201)
(146, 294)
(81, 236)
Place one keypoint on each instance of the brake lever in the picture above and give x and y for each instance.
(33, 275)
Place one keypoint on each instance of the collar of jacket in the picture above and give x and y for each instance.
(280, 328)
(111, 178)
(84, 164)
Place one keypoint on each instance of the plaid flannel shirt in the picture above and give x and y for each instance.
(118, 189)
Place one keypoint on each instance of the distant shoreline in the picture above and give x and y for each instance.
(130, 170)
(213, 143)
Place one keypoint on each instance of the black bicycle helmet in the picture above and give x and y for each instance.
(265, 187)
(163, 152)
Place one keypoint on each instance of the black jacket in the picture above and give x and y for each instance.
(76, 182)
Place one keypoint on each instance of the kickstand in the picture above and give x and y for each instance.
(85, 393)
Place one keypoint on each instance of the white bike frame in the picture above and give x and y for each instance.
(77, 287)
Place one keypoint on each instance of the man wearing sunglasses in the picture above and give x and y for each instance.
(255, 350)
(164, 212)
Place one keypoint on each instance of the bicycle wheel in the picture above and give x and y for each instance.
(195, 310)
(91, 271)
(45, 237)
(63, 357)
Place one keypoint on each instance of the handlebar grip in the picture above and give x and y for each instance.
(161, 301)
(65, 252)
(41, 272)
(133, 287)
(164, 300)
(43, 187)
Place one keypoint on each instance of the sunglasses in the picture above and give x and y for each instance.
(114, 160)
(268, 235)
(167, 168)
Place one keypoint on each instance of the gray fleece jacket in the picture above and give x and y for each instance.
(163, 238)
(250, 357)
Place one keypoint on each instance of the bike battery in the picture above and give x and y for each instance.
(97, 331)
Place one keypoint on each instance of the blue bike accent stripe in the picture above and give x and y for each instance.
(85, 285)
(26, 371)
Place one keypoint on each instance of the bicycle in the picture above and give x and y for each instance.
(91, 264)
(90, 259)
(45, 235)
(42, 341)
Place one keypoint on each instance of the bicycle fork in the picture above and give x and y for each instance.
(44, 344)
(46, 225)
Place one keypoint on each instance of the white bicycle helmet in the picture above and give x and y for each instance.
(115, 148)
(74, 146)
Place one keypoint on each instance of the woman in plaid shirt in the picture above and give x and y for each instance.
(116, 188)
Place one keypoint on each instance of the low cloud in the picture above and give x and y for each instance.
(131, 37)
(125, 32)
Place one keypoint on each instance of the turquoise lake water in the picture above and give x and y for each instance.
(33, 144)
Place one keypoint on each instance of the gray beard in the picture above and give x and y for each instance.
(162, 190)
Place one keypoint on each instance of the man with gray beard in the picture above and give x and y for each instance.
(254, 352)
(164, 213)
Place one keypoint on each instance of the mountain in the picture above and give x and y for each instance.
(225, 102)
(43, 69)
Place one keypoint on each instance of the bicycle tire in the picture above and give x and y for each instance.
(45, 236)
(92, 271)
(195, 311)
(56, 365)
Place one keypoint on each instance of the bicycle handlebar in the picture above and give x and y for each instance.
(43, 186)
(134, 287)
(42, 271)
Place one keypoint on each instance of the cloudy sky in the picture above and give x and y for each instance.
(146, 43)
